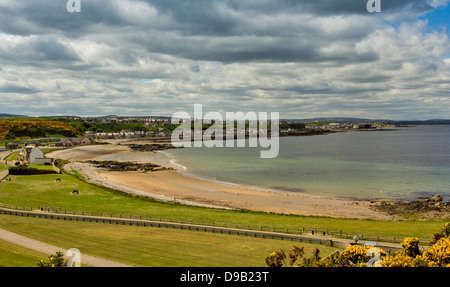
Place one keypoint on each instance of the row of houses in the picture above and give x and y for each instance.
(129, 134)
(64, 142)
(342, 126)
(69, 142)
(12, 145)
(116, 119)
(33, 155)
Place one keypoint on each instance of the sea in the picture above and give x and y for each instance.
(404, 163)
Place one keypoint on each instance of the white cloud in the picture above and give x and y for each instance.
(148, 57)
(438, 3)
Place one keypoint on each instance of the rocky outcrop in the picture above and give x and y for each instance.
(426, 207)
(128, 166)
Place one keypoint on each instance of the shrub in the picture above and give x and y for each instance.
(21, 170)
(439, 253)
(357, 256)
(25, 170)
(56, 260)
(411, 246)
(276, 259)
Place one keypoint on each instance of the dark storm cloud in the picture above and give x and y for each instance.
(141, 57)
(228, 31)
(37, 51)
(12, 89)
(203, 13)
(53, 50)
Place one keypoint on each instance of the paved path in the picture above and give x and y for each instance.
(50, 249)
(4, 174)
(318, 239)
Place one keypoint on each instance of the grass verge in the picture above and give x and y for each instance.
(3, 167)
(152, 247)
(12, 255)
(44, 190)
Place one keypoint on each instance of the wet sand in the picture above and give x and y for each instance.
(176, 186)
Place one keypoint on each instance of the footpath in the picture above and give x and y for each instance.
(305, 237)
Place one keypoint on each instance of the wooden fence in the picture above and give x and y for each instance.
(317, 232)
(146, 223)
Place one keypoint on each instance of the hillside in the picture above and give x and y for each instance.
(83, 127)
(18, 128)
(2, 115)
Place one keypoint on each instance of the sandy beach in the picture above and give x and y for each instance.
(173, 185)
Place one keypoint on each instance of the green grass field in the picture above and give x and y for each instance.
(13, 156)
(145, 246)
(3, 167)
(12, 255)
(43, 190)
(41, 167)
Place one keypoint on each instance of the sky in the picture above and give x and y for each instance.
(301, 58)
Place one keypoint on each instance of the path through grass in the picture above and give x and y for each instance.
(152, 247)
(44, 190)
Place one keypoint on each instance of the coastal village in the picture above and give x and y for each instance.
(153, 127)
(159, 126)
(29, 150)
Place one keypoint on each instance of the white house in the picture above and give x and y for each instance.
(33, 155)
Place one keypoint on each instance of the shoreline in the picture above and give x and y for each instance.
(181, 187)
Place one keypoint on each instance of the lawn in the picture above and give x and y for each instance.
(152, 247)
(12, 255)
(44, 190)
(41, 167)
(3, 167)
(13, 156)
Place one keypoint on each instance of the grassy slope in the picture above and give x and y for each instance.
(41, 167)
(43, 190)
(12, 255)
(3, 167)
(14, 156)
(145, 246)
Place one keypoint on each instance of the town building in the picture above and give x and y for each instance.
(70, 142)
(12, 145)
(33, 155)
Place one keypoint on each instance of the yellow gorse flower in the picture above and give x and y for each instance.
(411, 255)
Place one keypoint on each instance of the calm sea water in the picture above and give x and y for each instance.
(401, 164)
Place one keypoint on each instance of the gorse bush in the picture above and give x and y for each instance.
(438, 255)
(56, 260)
(15, 129)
